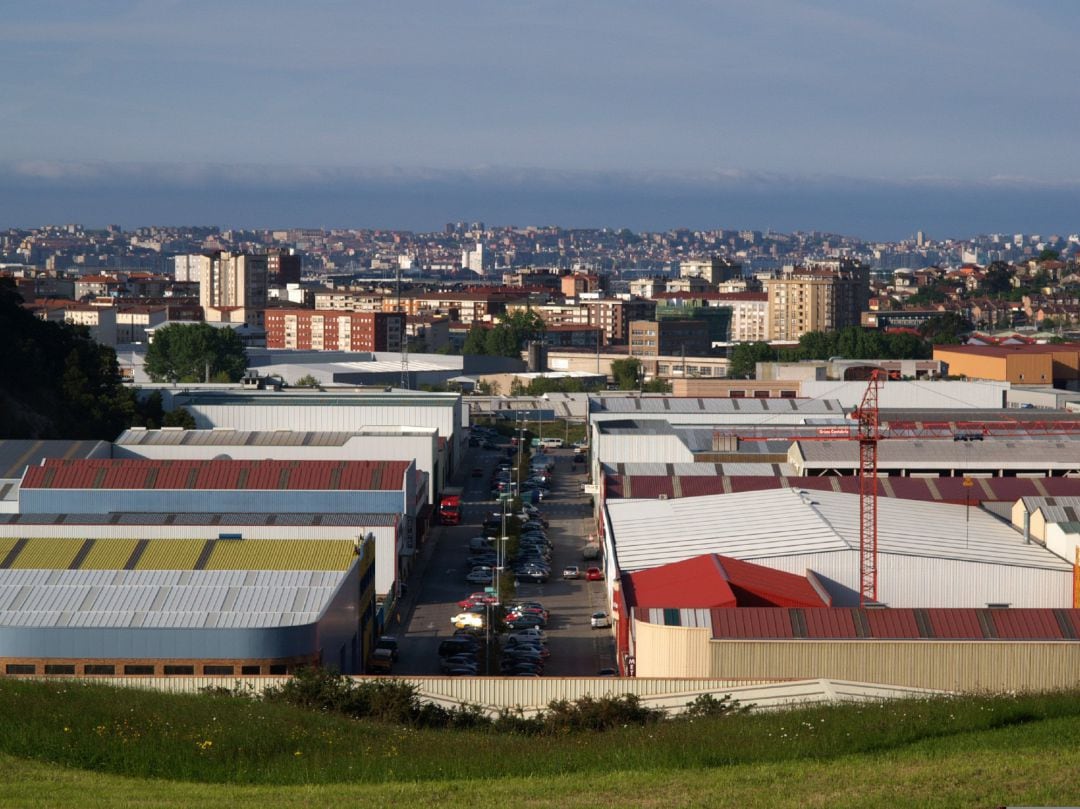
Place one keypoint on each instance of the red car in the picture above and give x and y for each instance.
(594, 574)
(477, 599)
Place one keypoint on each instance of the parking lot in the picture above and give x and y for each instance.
(438, 580)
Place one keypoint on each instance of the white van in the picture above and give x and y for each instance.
(551, 443)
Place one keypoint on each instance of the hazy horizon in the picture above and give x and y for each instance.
(135, 195)
(870, 119)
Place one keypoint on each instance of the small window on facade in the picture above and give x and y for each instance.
(761, 394)
(737, 394)
(279, 668)
(139, 668)
(787, 394)
(251, 670)
(179, 671)
(99, 669)
(217, 671)
(59, 668)
(21, 668)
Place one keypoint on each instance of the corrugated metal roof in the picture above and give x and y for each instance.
(751, 622)
(705, 481)
(17, 454)
(1055, 509)
(954, 623)
(204, 519)
(783, 522)
(848, 623)
(111, 555)
(693, 404)
(216, 475)
(696, 582)
(936, 454)
(189, 599)
(1025, 623)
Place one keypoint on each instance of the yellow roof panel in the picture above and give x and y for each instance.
(47, 554)
(109, 554)
(6, 544)
(281, 554)
(171, 554)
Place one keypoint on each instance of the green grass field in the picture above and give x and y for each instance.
(89, 746)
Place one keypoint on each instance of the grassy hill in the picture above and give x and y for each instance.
(71, 743)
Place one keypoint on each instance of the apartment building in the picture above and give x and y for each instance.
(352, 301)
(99, 320)
(655, 338)
(714, 269)
(282, 267)
(330, 330)
(234, 289)
(805, 299)
(749, 315)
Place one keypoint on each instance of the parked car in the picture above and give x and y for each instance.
(479, 577)
(390, 644)
(459, 644)
(579, 457)
(463, 619)
(571, 572)
(477, 598)
(599, 620)
(527, 633)
(594, 574)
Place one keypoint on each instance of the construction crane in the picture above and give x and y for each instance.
(404, 335)
(869, 435)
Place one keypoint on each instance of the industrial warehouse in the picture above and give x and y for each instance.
(170, 607)
(730, 533)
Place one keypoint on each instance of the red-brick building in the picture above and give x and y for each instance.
(333, 330)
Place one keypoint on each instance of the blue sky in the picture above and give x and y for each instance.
(655, 102)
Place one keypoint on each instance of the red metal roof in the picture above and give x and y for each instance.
(828, 622)
(954, 623)
(695, 583)
(850, 623)
(892, 624)
(948, 490)
(751, 622)
(712, 581)
(1025, 623)
(651, 486)
(757, 585)
(246, 475)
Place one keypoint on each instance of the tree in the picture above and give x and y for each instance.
(307, 381)
(502, 342)
(626, 373)
(945, 328)
(656, 385)
(475, 340)
(745, 357)
(998, 279)
(179, 417)
(195, 353)
(1048, 255)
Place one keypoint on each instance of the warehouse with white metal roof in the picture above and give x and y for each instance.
(184, 607)
(929, 554)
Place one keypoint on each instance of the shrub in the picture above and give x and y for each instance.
(706, 705)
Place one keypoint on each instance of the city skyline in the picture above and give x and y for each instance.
(875, 121)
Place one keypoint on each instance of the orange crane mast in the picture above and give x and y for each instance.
(869, 436)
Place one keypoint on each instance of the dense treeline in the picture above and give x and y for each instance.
(853, 343)
(56, 382)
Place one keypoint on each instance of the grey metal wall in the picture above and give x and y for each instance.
(103, 501)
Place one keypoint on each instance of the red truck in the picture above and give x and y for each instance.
(450, 506)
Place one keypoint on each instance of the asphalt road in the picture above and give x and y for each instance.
(438, 582)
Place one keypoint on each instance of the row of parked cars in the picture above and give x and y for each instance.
(520, 651)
